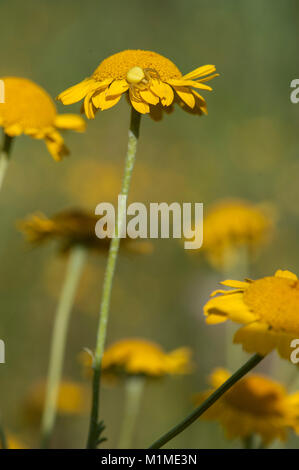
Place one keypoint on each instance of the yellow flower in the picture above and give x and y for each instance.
(72, 227)
(28, 109)
(232, 225)
(73, 399)
(268, 307)
(151, 82)
(136, 356)
(254, 405)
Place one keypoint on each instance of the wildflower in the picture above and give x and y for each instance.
(151, 82)
(28, 109)
(72, 227)
(254, 405)
(134, 357)
(233, 225)
(72, 399)
(267, 307)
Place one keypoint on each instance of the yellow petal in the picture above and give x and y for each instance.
(184, 83)
(163, 90)
(231, 306)
(140, 106)
(70, 121)
(186, 96)
(88, 106)
(117, 87)
(55, 145)
(14, 130)
(110, 101)
(286, 274)
(98, 98)
(256, 338)
(149, 97)
(200, 72)
(235, 284)
(79, 91)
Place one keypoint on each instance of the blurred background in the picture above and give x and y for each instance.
(247, 147)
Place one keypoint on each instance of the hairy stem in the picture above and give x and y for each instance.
(108, 282)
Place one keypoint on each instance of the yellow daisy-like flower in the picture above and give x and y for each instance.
(151, 82)
(136, 356)
(231, 225)
(254, 405)
(268, 307)
(28, 109)
(72, 227)
(73, 399)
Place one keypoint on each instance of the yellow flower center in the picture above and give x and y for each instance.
(26, 104)
(135, 75)
(132, 62)
(276, 301)
(257, 395)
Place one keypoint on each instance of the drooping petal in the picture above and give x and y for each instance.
(149, 97)
(14, 130)
(117, 88)
(88, 106)
(229, 306)
(55, 145)
(79, 91)
(163, 90)
(256, 338)
(70, 121)
(186, 96)
(110, 101)
(140, 106)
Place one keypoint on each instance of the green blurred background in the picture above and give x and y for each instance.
(247, 147)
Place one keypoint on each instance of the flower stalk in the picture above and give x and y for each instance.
(134, 387)
(76, 261)
(93, 436)
(176, 430)
(5, 156)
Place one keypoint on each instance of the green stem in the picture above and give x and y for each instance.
(250, 364)
(133, 390)
(4, 156)
(108, 281)
(76, 260)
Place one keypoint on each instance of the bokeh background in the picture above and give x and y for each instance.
(246, 147)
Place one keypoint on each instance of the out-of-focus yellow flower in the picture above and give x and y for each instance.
(136, 356)
(254, 405)
(13, 442)
(232, 225)
(268, 307)
(151, 82)
(73, 399)
(72, 227)
(28, 109)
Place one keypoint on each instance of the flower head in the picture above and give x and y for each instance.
(151, 82)
(254, 405)
(267, 307)
(28, 109)
(232, 225)
(72, 227)
(134, 356)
